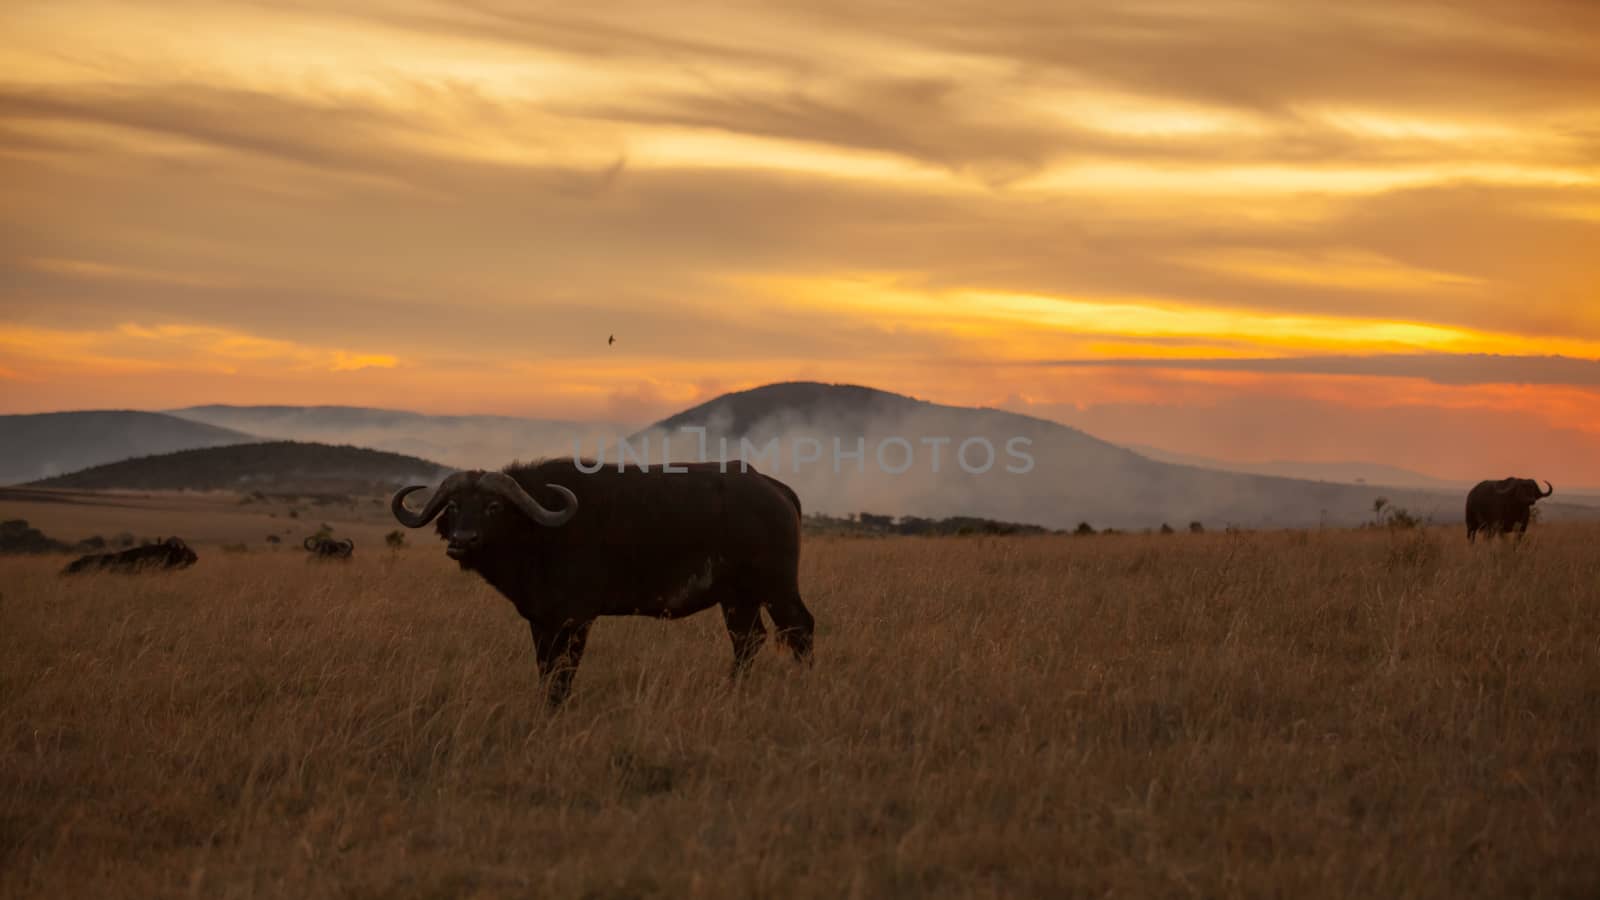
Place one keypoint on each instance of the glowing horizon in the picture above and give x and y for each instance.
(449, 206)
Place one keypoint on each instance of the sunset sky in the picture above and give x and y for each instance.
(1251, 230)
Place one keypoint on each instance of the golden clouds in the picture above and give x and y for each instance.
(1018, 326)
(99, 271)
(291, 192)
(1338, 268)
(131, 348)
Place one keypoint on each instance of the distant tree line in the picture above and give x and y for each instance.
(866, 523)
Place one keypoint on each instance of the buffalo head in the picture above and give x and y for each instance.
(1525, 490)
(476, 506)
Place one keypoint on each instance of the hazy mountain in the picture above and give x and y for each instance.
(457, 441)
(1364, 473)
(46, 444)
(1040, 471)
(275, 467)
(1371, 473)
(1074, 478)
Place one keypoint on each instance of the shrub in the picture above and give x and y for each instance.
(1402, 519)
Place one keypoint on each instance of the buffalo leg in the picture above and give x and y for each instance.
(559, 650)
(747, 633)
(794, 623)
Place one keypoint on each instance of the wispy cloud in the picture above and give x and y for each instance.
(132, 348)
(457, 202)
(1440, 368)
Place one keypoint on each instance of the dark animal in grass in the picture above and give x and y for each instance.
(1495, 507)
(171, 553)
(321, 547)
(566, 547)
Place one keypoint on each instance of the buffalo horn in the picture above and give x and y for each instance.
(435, 503)
(507, 487)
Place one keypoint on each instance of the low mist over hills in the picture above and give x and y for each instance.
(911, 462)
(1376, 474)
(483, 442)
(46, 444)
(1074, 477)
(275, 467)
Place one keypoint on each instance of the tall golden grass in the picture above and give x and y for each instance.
(1365, 714)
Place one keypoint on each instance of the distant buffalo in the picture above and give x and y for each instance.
(567, 547)
(1494, 507)
(171, 553)
(328, 548)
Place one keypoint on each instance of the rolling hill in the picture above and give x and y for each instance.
(1075, 477)
(1376, 474)
(281, 467)
(47, 444)
(460, 441)
(1072, 477)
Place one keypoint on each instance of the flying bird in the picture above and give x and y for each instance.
(611, 340)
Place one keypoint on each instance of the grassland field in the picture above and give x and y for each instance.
(1291, 714)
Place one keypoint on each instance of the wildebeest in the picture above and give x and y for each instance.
(1499, 506)
(322, 547)
(171, 553)
(567, 547)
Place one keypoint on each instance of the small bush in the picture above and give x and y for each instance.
(1403, 520)
(1083, 528)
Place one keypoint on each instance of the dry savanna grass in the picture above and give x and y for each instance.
(1365, 714)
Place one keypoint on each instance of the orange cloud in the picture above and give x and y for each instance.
(99, 271)
(923, 198)
(132, 348)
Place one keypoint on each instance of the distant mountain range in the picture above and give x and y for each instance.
(789, 430)
(1376, 474)
(46, 444)
(459, 441)
(275, 467)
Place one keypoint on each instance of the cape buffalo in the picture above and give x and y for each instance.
(567, 547)
(328, 548)
(171, 553)
(1497, 506)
